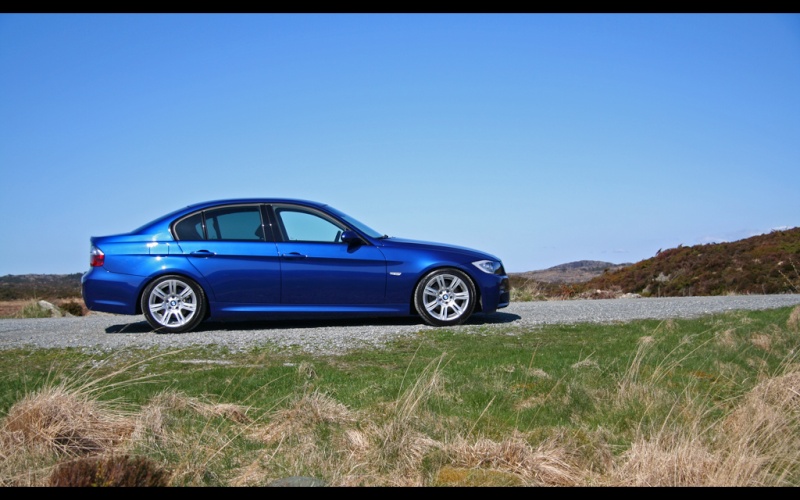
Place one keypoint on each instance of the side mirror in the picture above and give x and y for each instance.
(350, 237)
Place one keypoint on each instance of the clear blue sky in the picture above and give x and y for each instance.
(541, 138)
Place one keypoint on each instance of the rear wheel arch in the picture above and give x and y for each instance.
(173, 303)
(179, 273)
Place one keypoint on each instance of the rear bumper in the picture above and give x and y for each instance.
(103, 291)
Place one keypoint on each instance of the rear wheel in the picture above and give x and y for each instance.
(173, 304)
(445, 297)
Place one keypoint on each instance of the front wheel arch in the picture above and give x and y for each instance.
(445, 297)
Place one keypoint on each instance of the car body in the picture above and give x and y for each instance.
(279, 258)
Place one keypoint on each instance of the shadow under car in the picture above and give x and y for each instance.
(281, 324)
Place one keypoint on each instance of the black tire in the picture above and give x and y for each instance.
(173, 304)
(445, 297)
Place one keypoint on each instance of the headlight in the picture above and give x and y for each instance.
(490, 266)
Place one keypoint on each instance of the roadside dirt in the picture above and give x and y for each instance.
(12, 308)
(9, 308)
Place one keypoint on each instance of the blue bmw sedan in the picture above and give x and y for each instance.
(256, 259)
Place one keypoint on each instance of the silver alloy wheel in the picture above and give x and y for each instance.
(172, 303)
(446, 297)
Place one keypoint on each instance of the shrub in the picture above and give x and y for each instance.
(72, 307)
(109, 471)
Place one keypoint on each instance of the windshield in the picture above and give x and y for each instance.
(357, 224)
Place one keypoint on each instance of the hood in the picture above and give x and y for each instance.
(404, 242)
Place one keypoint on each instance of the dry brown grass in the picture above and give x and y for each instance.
(67, 423)
(547, 464)
(754, 445)
(57, 423)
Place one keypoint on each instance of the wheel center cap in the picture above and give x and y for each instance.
(173, 303)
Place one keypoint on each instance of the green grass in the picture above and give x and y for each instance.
(675, 402)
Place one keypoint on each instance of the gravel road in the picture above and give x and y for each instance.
(109, 332)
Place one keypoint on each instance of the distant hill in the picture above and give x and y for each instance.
(763, 264)
(572, 272)
(40, 286)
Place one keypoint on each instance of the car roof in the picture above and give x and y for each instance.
(171, 216)
(230, 201)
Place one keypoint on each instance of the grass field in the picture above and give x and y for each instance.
(712, 401)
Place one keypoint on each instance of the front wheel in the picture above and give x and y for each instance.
(173, 304)
(445, 297)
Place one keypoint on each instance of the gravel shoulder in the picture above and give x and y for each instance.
(109, 332)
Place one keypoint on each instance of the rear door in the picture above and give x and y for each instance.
(235, 252)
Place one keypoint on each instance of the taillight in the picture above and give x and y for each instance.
(96, 257)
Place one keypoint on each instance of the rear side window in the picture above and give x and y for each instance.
(234, 223)
(190, 228)
(226, 223)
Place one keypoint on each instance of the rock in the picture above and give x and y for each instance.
(54, 312)
(296, 481)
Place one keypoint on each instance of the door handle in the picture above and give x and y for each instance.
(202, 253)
(293, 255)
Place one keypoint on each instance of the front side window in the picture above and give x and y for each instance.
(301, 225)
